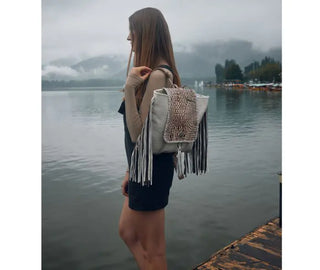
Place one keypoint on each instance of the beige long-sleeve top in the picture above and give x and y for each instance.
(135, 118)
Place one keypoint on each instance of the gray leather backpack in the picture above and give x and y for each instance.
(176, 123)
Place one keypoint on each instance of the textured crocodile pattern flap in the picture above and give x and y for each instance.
(181, 125)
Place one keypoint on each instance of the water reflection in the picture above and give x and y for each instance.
(83, 163)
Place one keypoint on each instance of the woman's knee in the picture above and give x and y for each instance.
(154, 245)
(127, 234)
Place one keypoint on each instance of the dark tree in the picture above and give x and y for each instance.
(233, 72)
(229, 63)
(219, 73)
(267, 60)
(268, 71)
(251, 67)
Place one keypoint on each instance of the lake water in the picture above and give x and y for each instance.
(83, 164)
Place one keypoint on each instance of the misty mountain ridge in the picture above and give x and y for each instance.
(62, 62)
(199, 62)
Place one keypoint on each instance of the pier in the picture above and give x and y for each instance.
(259, 249)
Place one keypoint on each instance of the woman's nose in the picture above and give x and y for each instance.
(129, 38)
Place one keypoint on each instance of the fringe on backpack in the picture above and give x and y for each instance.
(142, 156)
(187, 162)
(194, 162)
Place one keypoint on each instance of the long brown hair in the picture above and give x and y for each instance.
(150, 32)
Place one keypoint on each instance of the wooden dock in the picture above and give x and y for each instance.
(259, 249)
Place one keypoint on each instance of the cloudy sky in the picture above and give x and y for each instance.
(86, 28)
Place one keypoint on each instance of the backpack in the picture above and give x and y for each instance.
(176, 123)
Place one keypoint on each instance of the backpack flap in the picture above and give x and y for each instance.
(181, 125)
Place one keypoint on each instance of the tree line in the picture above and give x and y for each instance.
(268, 70)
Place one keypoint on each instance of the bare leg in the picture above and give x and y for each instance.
(152, 237)
(128, 234)
(144, 234)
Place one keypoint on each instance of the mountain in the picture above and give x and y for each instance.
(62, 62)
(99, 67)
(105, 64)
(201, 61)
(197, 63)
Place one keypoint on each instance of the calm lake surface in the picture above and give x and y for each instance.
(83, 164)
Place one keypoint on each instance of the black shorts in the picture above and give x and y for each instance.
(156, 196)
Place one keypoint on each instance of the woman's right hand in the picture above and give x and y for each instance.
(124, 184)
(138, 75)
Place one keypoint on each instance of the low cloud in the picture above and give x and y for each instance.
(84, 29)
(52, 72)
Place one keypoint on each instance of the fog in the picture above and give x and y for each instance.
(78, 30)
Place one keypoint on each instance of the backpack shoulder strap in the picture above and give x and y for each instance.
(165, 66)
(160, 67)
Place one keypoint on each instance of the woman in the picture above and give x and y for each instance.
(142, 220)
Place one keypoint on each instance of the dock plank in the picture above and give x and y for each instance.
(259, 249)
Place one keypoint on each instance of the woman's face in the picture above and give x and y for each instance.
(130, 39)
